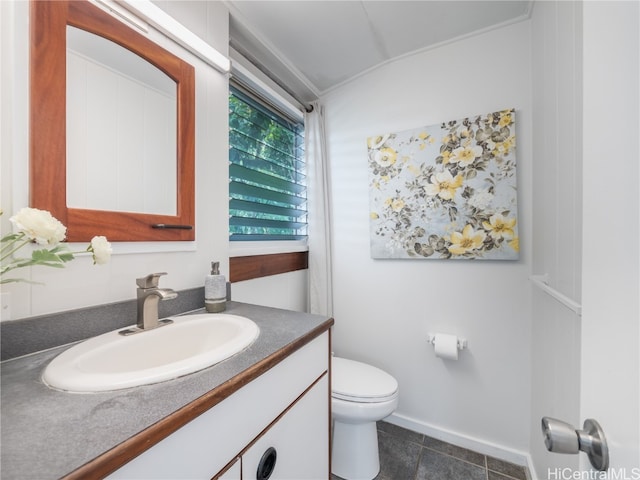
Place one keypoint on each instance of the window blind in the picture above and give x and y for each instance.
(266, 172)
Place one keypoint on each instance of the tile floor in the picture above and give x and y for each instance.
(407, 455)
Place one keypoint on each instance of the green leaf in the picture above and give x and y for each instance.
(44, 255)
(10, 237)
(51, 258)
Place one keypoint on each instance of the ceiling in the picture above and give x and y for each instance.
(312, 46)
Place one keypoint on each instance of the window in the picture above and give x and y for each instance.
(267, 187)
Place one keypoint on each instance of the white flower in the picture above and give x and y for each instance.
(444, 185)
(480, 199)
(39, 226)
(465, 156)
(101, 249)
(385, 157)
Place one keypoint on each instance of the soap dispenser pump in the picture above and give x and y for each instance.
(215, 290)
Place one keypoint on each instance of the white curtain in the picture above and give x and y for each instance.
(320, 299)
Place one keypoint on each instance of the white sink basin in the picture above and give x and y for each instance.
(112, 361)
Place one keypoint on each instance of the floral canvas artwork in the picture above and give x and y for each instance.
(446, 191)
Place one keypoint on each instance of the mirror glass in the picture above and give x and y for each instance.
(121, 129)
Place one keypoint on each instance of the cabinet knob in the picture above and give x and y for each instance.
(267, 464)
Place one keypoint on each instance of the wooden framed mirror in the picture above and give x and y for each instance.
(48, 130)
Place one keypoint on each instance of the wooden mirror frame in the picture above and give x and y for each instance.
(48, 169)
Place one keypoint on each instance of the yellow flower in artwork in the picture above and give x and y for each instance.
(500, 227)
(397, 204)
(466, 155)
(505, 118)
(466, 241)
(444, 185)
(515, 244)
(423, 136)
(385, 157)
(503, 148)
(446, 157)
(374, 216)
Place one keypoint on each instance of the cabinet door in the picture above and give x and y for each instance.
(300, 439)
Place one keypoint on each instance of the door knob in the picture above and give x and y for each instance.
(561, 437)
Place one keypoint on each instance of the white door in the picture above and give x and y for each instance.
(610, 362)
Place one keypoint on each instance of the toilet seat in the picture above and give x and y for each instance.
(353, 381)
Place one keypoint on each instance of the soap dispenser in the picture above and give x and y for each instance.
(215, 290)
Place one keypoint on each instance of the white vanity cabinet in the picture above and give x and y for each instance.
(287, 408)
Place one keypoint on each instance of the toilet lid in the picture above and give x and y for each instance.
(355, 381)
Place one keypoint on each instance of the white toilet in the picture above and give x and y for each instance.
(360, 396)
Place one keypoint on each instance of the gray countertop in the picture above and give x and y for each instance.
(48, 434)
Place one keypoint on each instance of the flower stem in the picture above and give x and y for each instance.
(5, 255)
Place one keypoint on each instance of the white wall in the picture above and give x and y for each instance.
(286, 290)
(80, 283)
(557, 220)
(385, 308)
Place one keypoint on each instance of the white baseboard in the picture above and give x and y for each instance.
(481, 446)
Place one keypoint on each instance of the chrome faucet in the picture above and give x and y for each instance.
(148, 297)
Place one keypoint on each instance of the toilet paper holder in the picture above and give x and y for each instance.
(462, 342)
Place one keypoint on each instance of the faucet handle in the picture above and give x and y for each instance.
(150, 281)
